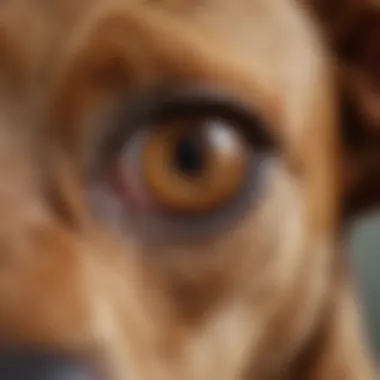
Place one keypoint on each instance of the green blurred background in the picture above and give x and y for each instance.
(364, 243)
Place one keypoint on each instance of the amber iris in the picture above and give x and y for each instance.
(193, 167)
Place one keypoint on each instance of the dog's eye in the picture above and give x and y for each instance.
(188, 167)
(181, 160)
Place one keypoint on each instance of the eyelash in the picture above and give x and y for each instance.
(153, 105)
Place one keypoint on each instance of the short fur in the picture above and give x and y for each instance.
(273, 298)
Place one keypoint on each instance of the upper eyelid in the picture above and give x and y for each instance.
(164, 103)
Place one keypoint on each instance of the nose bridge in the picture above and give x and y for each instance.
(39, 266)
(50, 279)
(41, 299)
(46, 301)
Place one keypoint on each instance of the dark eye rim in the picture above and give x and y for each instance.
(163, 104)
(167, 103)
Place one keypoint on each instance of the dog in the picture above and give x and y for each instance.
(130, 248)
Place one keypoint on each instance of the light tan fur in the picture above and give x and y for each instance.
(272, 299)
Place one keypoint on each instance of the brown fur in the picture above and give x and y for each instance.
(272, 299)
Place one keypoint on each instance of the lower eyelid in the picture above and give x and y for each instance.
(153, 228)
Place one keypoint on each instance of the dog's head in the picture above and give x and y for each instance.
(128, 242)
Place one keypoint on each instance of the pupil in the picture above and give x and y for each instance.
(189, 155)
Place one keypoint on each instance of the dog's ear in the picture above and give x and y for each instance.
(359, 52)
(352, 27)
